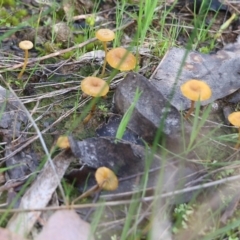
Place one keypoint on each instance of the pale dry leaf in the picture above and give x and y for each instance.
(5, 234)
(39, 194)
(66, 224)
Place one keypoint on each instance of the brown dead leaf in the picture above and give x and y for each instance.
(5, 234)
(65, 224)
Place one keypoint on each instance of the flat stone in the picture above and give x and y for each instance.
(151, 111)
(129, 162)
(220, 71)
(110, 128)
(118, 155)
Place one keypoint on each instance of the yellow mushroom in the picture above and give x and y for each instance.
(234, 119)
(195, 90)
(105, 35)
(95, 87)
(63, 142)
(25, 45)
(121, 59)
(106, 179)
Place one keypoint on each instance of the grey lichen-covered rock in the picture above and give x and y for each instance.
(130, 161)
(220, 71)
(122, 157)
(152, 111)
(110, 128)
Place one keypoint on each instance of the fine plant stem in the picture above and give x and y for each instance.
(238, 143)
(126, 118)
(24, 64)
(90, 115)
(105, 59)
(39, 18)
(121, 5)
(86, 194)
(145, 199)
(226, 25)
(190, 110)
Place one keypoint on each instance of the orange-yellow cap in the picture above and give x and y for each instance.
(94, 86)
(196, 90)
(105, 35)
(234, 118)
(106, 179)
(63, 142)
(26, 45)
(121, 59)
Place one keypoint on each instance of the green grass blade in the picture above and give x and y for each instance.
(126, 118)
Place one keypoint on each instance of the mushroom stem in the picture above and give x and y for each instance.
(238, 143)
(87, 193)
(190, 109)
(24, 64)
(95, 188)
(105, 58)
(89, 116)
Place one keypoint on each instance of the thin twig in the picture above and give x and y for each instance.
(145, 199)
(55, 54)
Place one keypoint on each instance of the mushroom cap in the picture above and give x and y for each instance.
(94, 86)
(63, 142)
(121, 59)
(106, 179)
(26, 45)
(105, 35)
(234, 118)
(196, 90)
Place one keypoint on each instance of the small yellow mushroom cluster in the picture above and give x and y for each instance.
(105, 178)
(118, 58)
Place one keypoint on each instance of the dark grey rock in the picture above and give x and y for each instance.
(130, 161)
(24, 162)
(227, 110)
(152, 111)
(118, 155)
(234, 98)
(110, 128)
